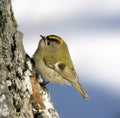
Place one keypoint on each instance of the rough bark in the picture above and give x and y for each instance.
(21, 96)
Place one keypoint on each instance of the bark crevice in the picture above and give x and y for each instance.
(21, 96)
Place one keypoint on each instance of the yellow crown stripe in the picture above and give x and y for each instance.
(57, 38)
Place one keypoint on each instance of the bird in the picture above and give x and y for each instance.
(52, 60)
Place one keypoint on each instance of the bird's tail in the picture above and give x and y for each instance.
(80, 89)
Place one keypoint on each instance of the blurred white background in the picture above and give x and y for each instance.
(91, 29)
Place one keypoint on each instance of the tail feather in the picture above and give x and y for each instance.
(80, 89)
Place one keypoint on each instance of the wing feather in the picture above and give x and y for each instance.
(65, 71)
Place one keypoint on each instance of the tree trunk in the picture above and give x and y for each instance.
(21, 96)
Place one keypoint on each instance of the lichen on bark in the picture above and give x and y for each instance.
(21, 96)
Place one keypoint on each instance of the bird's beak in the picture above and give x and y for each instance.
(43, 38)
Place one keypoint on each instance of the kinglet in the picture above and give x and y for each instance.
(52, 60)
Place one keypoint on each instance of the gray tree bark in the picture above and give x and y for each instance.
(21, 96)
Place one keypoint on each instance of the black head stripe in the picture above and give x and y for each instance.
(55, 38)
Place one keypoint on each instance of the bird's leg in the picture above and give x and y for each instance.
(44, 83)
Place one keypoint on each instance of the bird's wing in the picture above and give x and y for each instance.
(64, 70)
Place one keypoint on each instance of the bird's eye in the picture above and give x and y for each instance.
(48, 43)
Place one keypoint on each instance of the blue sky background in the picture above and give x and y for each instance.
(92, 31)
